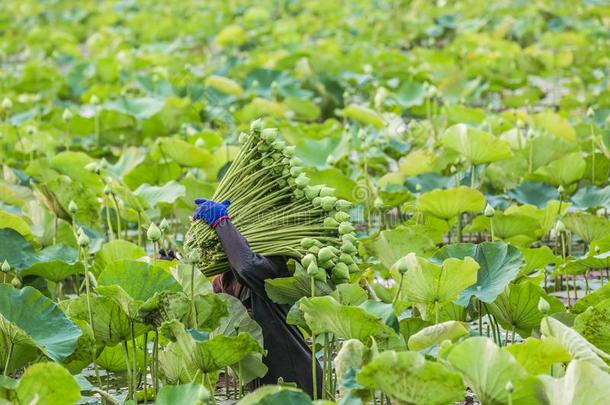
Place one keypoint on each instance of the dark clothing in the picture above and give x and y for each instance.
(288, 356)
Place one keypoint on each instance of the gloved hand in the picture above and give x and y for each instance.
(211, 212)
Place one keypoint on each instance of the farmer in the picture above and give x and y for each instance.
(288, 356)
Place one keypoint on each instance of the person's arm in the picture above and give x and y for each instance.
(251, 267)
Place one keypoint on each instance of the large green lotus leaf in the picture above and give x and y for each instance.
(175, 366)
(349, 294)
(592, 299)
(537, 356)
(21, 255)
(364, 115)
(546, 216)
(182, 273)
(537, 258)
(592, 197)
(409, 379)
(534, 193)
(561, 172)
(116, 250)
(28, 315)
(594, 325)
(140, 108)
(436, 334)
(429, 283)
(392, 244)
(505, 226)
(335, 178)
(110, 324)
(517, 307)
(213, 354)
(474, 145)
(61, 190)
(151, 172)
(499, 265)
(276, 395)
(555, 124)
(47, 384)
(589, 227)
(17, 223)
(599, 261)
(167, 193)
(487, 369)
(184, 153)
(131, 283)
(288, 290)
(73, 164)
(578, 347)
(583, 384)
(451, 202)
(325, 314)
(185, 394)
(410, 326)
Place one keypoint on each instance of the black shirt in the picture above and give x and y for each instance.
(288, 355)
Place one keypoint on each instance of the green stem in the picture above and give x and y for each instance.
(156, 362)
(128, 366)
(313, 350)
(480, 305)
(89, 311)
(8, 358)
(154, 258)
(118, 215)
(134, 353)
(193, 306)
(145, 373)
(208, 382)
(402, 276)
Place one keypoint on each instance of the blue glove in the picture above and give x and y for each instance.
(211, 212)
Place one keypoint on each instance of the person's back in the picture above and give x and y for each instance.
(288, 355)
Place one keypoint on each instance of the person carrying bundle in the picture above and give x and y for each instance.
(288, 356)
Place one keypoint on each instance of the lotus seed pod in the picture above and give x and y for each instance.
(345, 227)
(325, 254)
(509, 387)
(543, 306)
(343, 205)
(341, 216)
(82, 240)
(289, 151)
(295, 171)
(5, 266)
(560, 227)
(308, 259)
(489, 211)
(16, 282)
(269, 134)
(330, 223)
(256, 126)
(153, 233)
(72, 207)
(7, 104)
(194, 257)
(327, 192)
(67, 115)
(312, 269)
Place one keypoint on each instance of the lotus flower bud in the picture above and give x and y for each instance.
(560, 189)
(312, 269)
(153, 233)
(590, 112)
(489, 211)
(597, 249)
(83, 239)
(543, 306)
(406, 262)
(509, 387)
(94, 100)
(16, 282)
(256, 126)
(67, 115)
(308, 259)
(6, 267)
(269, 134)
(7, 104)
(418, 187)
(452, 169)
(200, 143)
(164, 225)
(289, 151)
(243, 137)
(72, 207)
(194, 257)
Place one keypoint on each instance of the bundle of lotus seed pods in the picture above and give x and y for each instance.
(278, 212)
